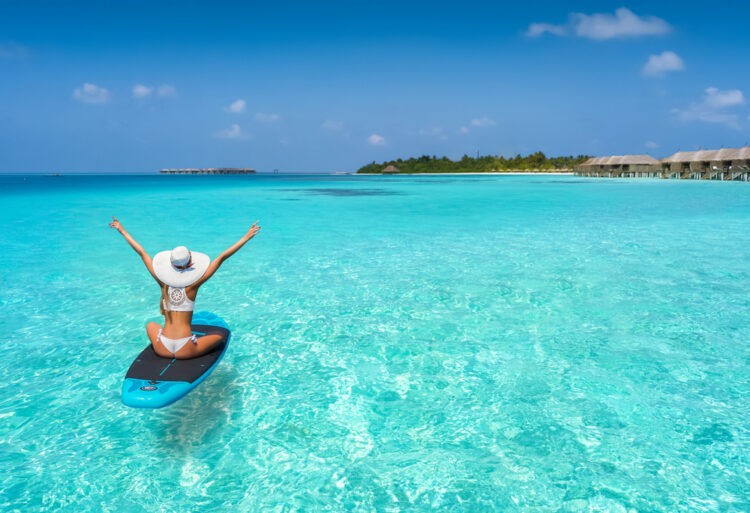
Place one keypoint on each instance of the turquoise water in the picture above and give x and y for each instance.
(535, 344)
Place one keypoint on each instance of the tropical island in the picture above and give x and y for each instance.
(536, 162)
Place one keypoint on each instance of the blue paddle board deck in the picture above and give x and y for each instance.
(154, 381)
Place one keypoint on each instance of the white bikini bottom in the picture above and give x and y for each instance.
(175, 344)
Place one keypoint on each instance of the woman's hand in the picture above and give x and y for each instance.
(254, 229)
(115, 224)
(136, 247)
(231, 250)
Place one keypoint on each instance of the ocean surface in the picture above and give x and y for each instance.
(400, 344)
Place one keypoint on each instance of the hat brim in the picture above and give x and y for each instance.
(169, 275)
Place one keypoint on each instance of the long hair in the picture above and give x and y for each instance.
(163, 301)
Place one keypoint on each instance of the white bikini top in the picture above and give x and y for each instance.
(178, 301)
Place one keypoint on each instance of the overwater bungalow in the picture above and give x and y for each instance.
(723, 164)
(210, 171)
(620, 165)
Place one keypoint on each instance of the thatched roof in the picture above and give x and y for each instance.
(390, 169)
(619, 160)
(710, 155)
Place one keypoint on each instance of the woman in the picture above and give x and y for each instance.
(180, 274)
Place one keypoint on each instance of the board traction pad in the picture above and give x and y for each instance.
(152, 367)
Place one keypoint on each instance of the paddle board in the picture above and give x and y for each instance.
(154, 381)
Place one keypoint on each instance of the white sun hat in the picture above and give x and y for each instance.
(180, 267)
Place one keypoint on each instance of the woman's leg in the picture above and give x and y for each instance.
(152, 328)
(203, 345)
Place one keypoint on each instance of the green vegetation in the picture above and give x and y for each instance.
(489, 163)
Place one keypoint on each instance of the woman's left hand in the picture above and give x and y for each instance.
(254, 229)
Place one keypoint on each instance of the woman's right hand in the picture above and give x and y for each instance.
(115, 224)
(254, 229)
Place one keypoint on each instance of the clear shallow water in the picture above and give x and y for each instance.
(400, 344)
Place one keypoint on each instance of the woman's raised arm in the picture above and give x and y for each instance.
(231, 250)
(134, 244)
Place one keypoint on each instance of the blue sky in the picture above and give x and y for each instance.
(330, 86)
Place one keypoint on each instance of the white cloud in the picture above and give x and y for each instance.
(332, 124)
(601, 26)
(715, 107)
(433, 131)
(624, 23)
(481, 122)
(267, 118)
(537, 29)
(376, 140)
(90, 93)
(233, 132)
(13, 51)
(142, 91)
(166, 90)
(651, 144)
(237, 107)
(658, 65)
(720, 99)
